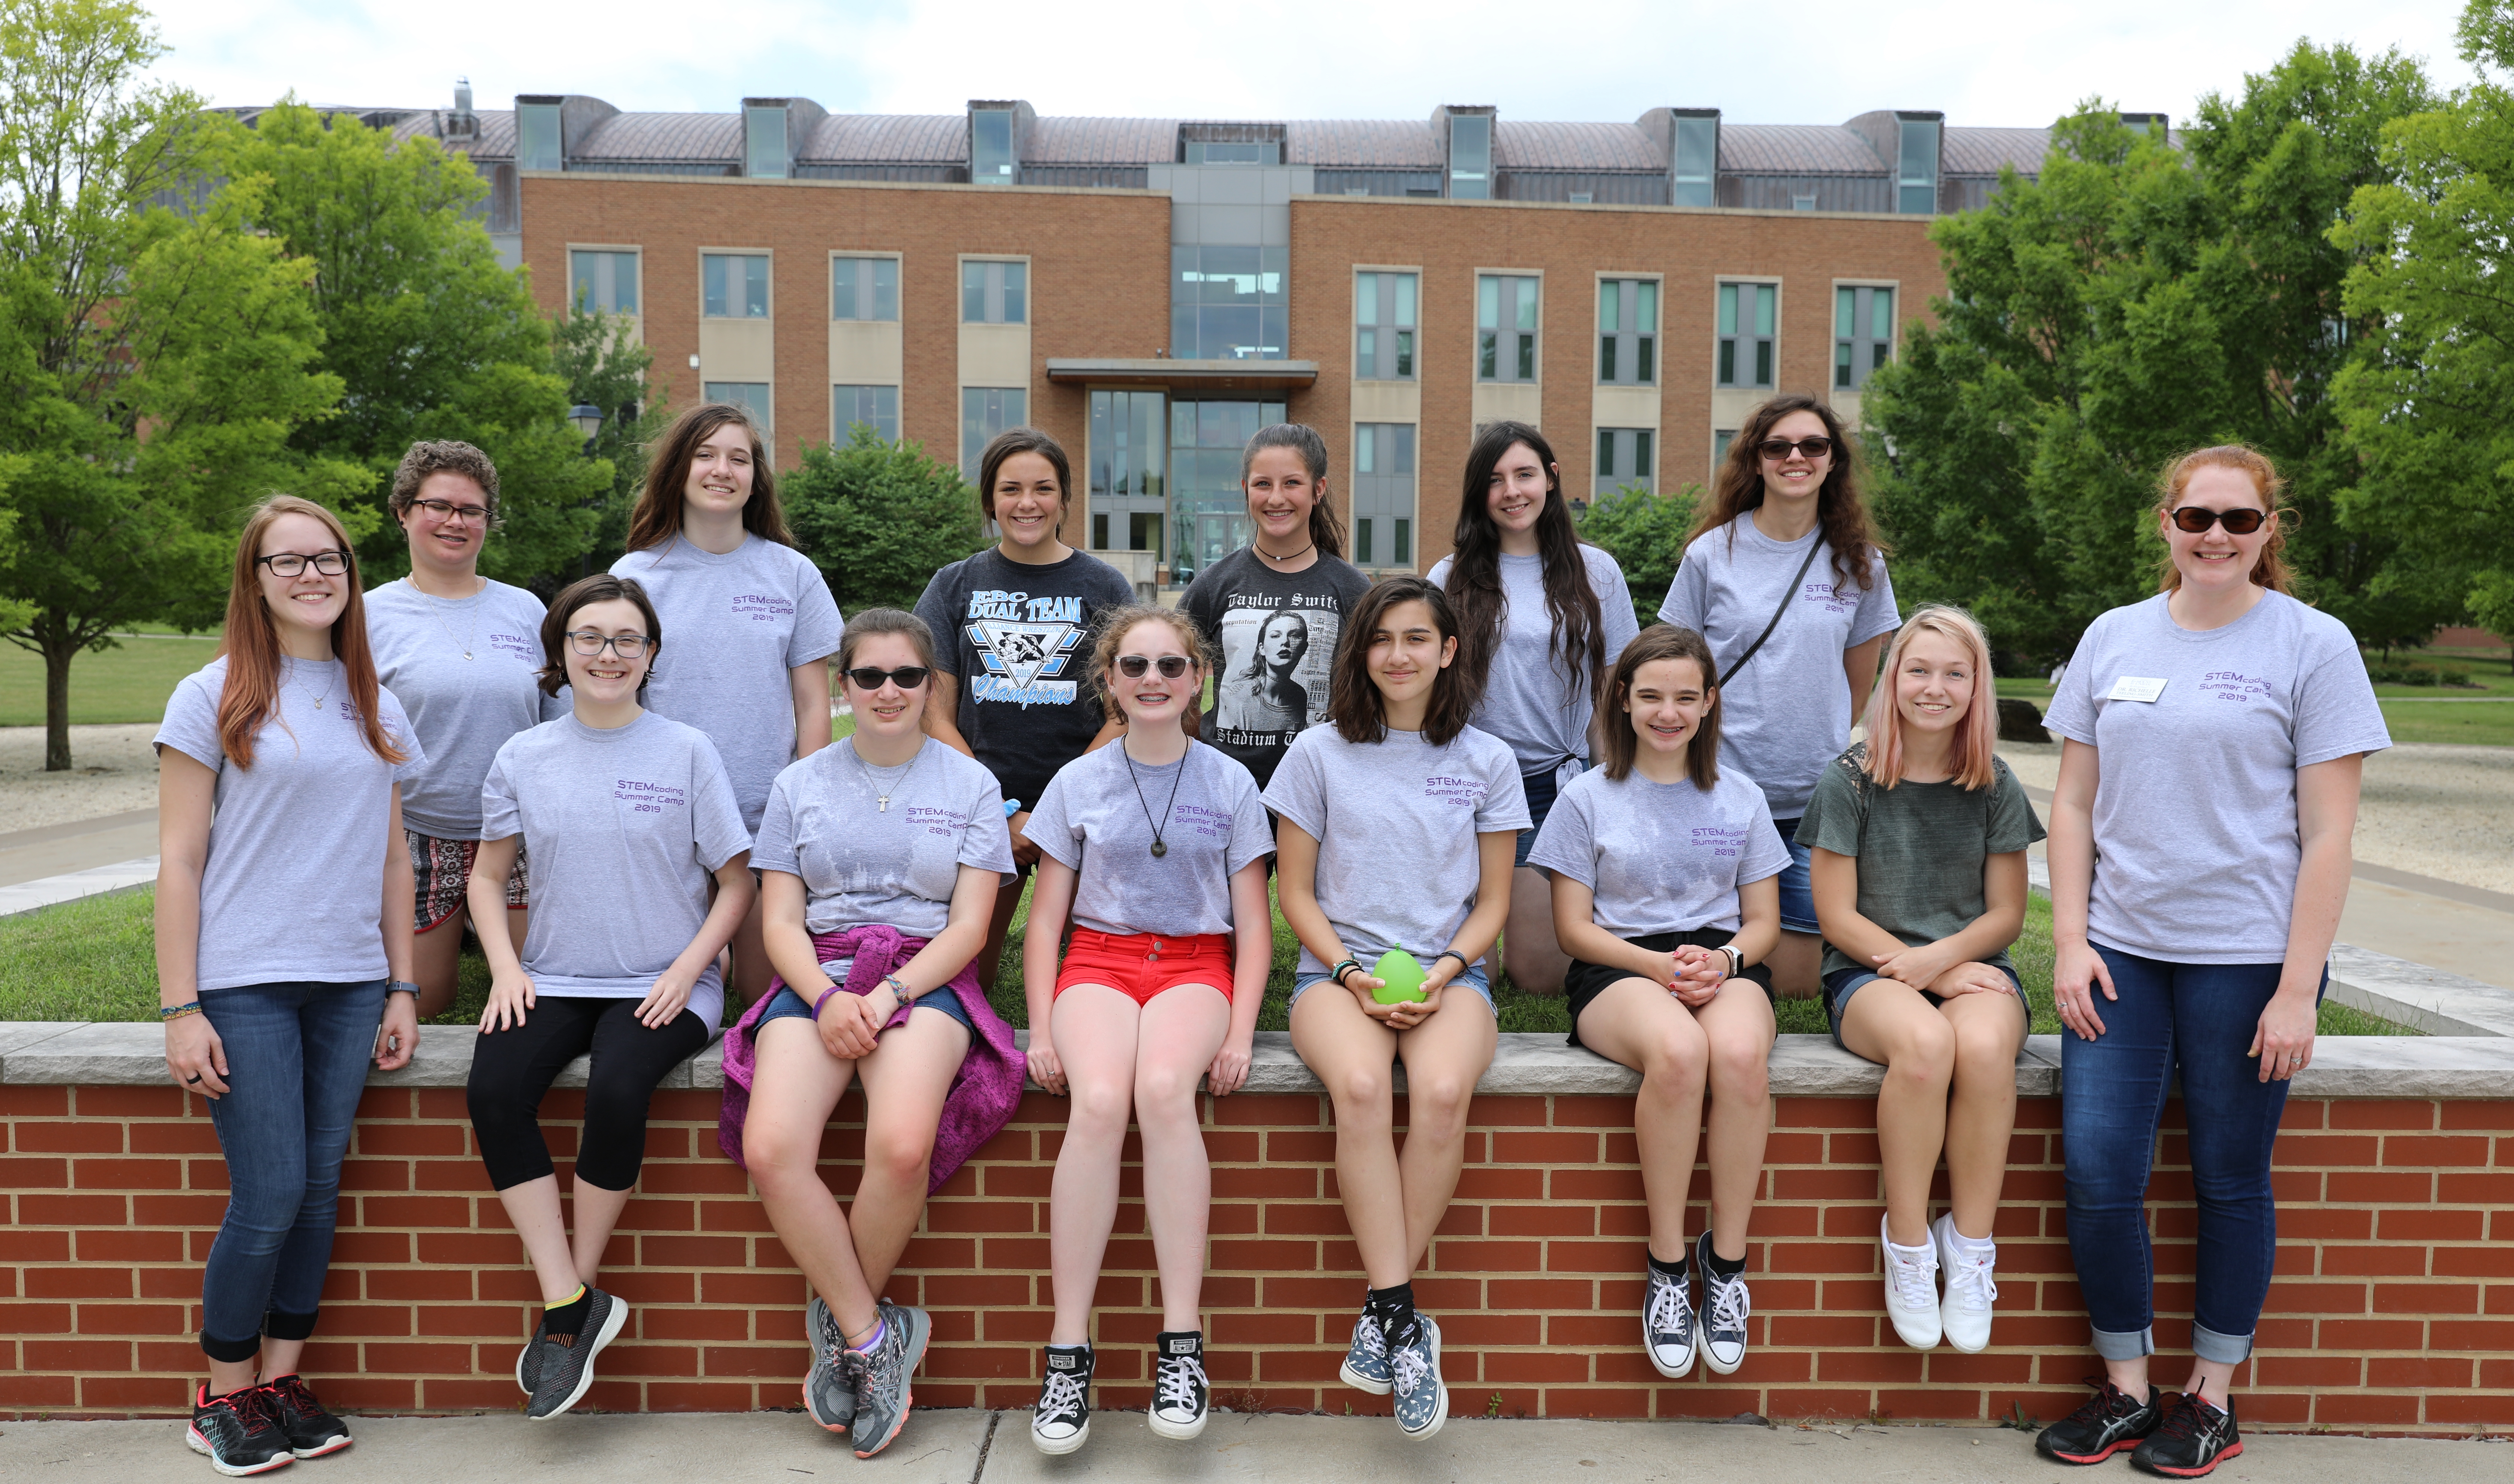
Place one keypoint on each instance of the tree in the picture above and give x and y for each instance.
(603, 367)
(430, 336)
(153, 366)
(877, 516)
(1645, 536)
(2142, 298)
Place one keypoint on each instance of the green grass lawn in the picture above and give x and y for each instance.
(94, 960)
(127, 683)
(2411, 713)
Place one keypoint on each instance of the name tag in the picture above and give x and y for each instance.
(2135, 688)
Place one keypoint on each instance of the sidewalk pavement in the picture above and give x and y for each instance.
(994, 1447)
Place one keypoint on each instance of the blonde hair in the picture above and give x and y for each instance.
(2270, 570)
(1117, 623)
(1974, 758)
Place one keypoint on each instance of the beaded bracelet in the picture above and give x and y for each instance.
(178, 1012)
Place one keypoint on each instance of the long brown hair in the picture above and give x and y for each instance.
(1014, 441)
(657, 519)
(1359, 712)
(251, 646)
(1619, 745)
(1326, 530)
(2269, 570)
(1475, 569)
(1839, 511)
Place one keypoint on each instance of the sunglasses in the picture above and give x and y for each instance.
(1132, 666)
(2242, 520)
(907, 678)
(1779, 448)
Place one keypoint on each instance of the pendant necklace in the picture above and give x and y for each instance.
(473, 603)
(883, 788)
(1159, 827)
(301, 690)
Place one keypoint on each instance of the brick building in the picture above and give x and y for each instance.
(1151, 290)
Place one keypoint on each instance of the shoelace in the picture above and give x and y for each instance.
(292, 1391)
(1411, 1365)
(250, 1406)
(2100, 1408)
(1970, 1276)
(1915, 1283)
(1177, 1380)
(1729, 1304)
(1061, 1397)
(1670, 1306)
(1371, 1338)
(2183, 1418)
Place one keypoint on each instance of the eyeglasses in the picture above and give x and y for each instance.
(1132, 666)
(1809, 448)
(587, 642)
(2242, 520)
(907, 677)
(289, 564)
(447, 511)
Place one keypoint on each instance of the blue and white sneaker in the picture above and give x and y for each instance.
(830, 1389)
(1365, 1365)
(1667, 1325)
(1421, 1397)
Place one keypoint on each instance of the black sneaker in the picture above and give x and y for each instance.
(1179, 1389)
(2110, 1422)
(311, 1432)
(237, 1433)
(567, 1360)
(1061, 1423)
(528, 1360)
(1667, 1324)
(1725, 1304)
(2192, 1440)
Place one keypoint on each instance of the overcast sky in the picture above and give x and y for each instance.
(1812, 61)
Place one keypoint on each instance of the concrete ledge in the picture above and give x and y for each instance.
(132, 1054)
(52, 891)
(2414, 995)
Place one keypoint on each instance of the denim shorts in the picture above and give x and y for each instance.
(1842, 984)
(1798, 891)
(1542, 790)
(788, 1005)
(1470, 977)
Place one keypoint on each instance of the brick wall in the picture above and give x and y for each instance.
(2393, 1309)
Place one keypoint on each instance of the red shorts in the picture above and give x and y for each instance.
(1141, 965)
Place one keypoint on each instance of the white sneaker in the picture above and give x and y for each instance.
(1911, 1293)
(1964, 1311)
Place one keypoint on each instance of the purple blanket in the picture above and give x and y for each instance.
(983, 1093)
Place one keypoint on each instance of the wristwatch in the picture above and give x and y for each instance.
(393, 987)
(1736, 961)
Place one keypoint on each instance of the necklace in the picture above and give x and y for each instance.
(472, 604)
(1159, 827)
(301, 690)
(1272, 557)
(883, 787)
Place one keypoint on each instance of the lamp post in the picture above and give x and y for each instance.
(588, 419)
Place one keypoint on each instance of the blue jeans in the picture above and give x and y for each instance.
(1541, 790)
(2196, 1020)
(297, 1062)
(1470, 977)
(1797, 886)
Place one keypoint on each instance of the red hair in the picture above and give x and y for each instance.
(1976, 741)
(2269, 570)
(252, 642)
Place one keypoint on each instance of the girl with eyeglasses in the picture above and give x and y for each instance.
(280, 770)
(1156, 846)
(880, 858)
(463, 653)
(1398, 821)
(642, 872)
(1783, 572)
(1542, 617)
(1919, 835)
(2214, 737)
(709, 542)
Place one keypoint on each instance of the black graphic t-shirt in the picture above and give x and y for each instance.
(1277, 633)
(1018, 640)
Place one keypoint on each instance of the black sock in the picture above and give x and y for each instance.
(1674, 1270)
(568, 1319)
(1394, 1307)
(1721, 1267)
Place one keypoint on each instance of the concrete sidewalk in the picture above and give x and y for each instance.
(969, 1447)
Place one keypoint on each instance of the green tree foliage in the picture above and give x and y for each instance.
(2427, 399)
(431, 336)
(605, 367)
(153, 365)
(878, 516)
(2142, 298)
(1644, 533)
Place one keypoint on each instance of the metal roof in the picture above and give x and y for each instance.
(1796, 149)
(1981, 151)
(1519, 145)
(1363, 144)
(709, 138)
(911, 138)
(1101, 141)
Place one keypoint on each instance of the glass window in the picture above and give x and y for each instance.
(993, 293)
(990, 146)
(1625, 455)
(876, 407)
(736, 285)
(1128, 459)
(1383, 495)
(1747, 312)
(986, 411)
(1229, 303)
(763, 138)
(1628, 330)
(1916, 166)
(1697, 162)
(864, 287)
(1208, 512)
(603, 281)
(1471, 156)
(1383, 316)
(1721, 438)
(538, 145)
(751, 396)
(1504, 328)
(1863, 333)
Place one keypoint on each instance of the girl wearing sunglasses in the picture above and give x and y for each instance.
(1784, 575)
(2213, 739)
(1399, 826)
(879, 857)
(1919, 835)
(642, 871)
(1157, 846)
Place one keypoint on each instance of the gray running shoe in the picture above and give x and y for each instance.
(567, 1360)
(882, 1396)
(1667, 1324)
(528, 1360)
(1365, 1364)
(830, 1392)
(1421, 1397)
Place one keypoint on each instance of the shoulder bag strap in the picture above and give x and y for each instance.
(1788, 594)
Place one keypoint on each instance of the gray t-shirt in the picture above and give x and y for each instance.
(1093, 819)
(1276, 632)
(1660, 858)
(464, 708)
(2196, 832)
(1788, 713)
(736, 628)
(625, 828)
(1922, 847)
(864, 866)
(1530, 701)
(293, 891)
(1396, 823)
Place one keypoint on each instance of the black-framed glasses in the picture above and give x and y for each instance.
(907, 678)
(447, 511)
(1809, 448)
(587, 642)
(289, 564)
(1132, 666)
(2242, 520)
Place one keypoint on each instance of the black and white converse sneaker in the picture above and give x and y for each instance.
(1667, 1324)
(1725, 1307)
(1179, 1391)
(1062, 1420)
(238, 1432)
(311, 1432)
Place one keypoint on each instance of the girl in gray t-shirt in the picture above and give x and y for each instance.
(1399, 826)
(1665, 894)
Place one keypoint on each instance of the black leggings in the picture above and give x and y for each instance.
(510, 1071)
